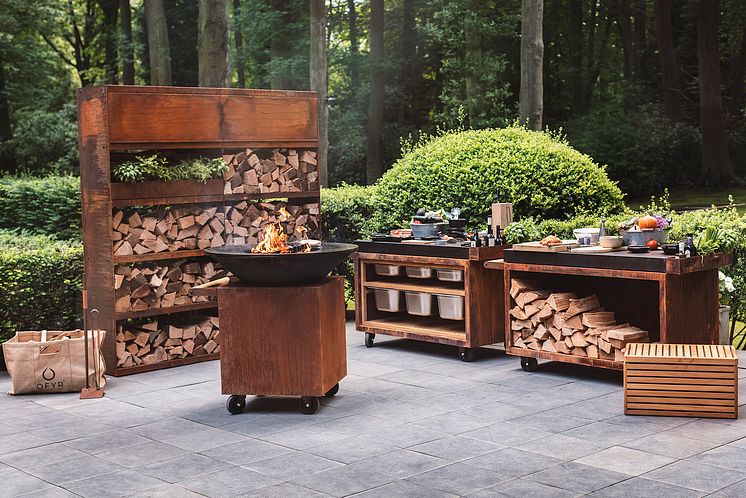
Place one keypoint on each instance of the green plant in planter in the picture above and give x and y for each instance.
(150, 168)
(715, 239)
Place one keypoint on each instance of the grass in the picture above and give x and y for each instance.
(699, 198)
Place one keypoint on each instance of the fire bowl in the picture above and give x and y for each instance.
(275, 270)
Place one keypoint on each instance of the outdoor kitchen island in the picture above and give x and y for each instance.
(428, 292)
(592, 305)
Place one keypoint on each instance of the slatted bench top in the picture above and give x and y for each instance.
(703, 353)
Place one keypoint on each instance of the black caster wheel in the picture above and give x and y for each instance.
(309, 405)
(369, 338)
(236, 404)
(529, 364)
(331, 392)
(466, 354)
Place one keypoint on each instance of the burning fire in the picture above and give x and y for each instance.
(275, 239)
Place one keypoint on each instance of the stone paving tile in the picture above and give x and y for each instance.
(456, 448)
(73, 470)
(403, 463)
(727, 456)
(16, 482)
(561, 446)
(455, 422)
(508, 433)
(670, 445)
(737, 490)
(166, 428)
(549, 421)
(230, 482)
(292, 465)
(49, 454)
(406, 435)
(639, 487)
(695, 475)
(626, 460)
(285, 490)
(184, 467)
(99, 443)
(20, 441)
(344, 481)
(142, 454)
(245, 452)
(352, 449)
(513, 462)
(577, 477)
(404, 489)
(166, 491)
(458, 478)
(204, 440)
(707, 431)
(53, 492)
(522, 488)
(125, 482)
(605, 432)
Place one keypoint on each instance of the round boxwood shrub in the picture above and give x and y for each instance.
(538, 172)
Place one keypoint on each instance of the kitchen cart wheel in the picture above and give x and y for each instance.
(309, 405)
(529, 364)
(331, 392)
(236, 404)
(369, 339)
(466, 354)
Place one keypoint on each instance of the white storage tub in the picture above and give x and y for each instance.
(388, 270)
(388, 300)
(450, 307)
(450, 275)
(420, 303)
(419, 272)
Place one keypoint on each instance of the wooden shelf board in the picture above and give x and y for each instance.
(197, 199)
(430, 285)
(566, 358)
(124, 315)
(119, 372)
(433, 327)
(159, 256)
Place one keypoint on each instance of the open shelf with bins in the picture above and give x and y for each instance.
(674, 299)
(118, 122)
(480, 289)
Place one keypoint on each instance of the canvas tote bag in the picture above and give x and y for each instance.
(52, 361)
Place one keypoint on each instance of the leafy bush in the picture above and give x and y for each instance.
(152, 168)
(538, 172)
(46, 142)
(643, 150)
(48, 205)
(40, 283)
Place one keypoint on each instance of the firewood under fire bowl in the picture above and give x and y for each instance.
(274, 270)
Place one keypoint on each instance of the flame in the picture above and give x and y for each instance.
(274, 240)
(283, 214)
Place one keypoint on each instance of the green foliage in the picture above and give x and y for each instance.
(152, 168)
(348, 212)
(40, 283)
(538, 172)
(529, 229)
(48, 205)
(644, 151)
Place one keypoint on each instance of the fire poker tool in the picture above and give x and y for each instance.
(91, 392)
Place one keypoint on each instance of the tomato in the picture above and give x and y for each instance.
(652, 244)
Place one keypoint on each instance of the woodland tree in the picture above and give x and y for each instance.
(532, 61)
(158, 45)
(214, 42)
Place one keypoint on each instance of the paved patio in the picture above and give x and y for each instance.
(409, 420)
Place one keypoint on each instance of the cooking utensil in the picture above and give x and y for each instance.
(638, 249)
(89, 392)
(422, 230)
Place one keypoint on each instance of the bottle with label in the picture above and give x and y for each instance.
(499, 240)
(689, 248)
(490, 239)
(602, 230)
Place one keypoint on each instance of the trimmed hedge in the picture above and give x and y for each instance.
(48, 205)
(40, 283)
(538, 172)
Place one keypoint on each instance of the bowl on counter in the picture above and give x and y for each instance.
(611, 241)
(641, 237)
(638, 249)
(670, 249)
(425, 230)
(581, 233)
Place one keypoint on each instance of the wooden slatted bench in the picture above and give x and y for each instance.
(681, 380)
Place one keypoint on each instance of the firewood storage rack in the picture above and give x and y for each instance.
(118, 122)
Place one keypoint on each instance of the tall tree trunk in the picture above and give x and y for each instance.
(737, 75)
(7, 159)
(213, 42)
(353, 34)
(716, 165)
(625, 36)
(667, 56)
(108, 32)
(280, 46)
(374, 161)
(531, 104)
(318, 77)
(238, 39)
(128, 57)
(158, 46)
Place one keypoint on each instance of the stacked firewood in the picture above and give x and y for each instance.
(153, 342)
(170, 229)
(561, 322)
(150, 285)
(278, 170)
(245, 222)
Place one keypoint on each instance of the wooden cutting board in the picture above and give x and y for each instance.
(536, 246)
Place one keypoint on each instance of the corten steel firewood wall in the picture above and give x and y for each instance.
(116, 123)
